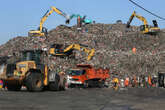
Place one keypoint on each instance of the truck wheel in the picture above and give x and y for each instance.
(34, 82)
(13, 87)
(101, 84)
(86, 84)
(54, 86)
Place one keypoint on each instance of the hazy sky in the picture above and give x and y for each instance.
(17, 17)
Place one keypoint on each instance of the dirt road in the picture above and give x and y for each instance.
(85, 99)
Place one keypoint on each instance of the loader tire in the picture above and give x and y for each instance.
(13, 87)
(34, 82)
(54, 86)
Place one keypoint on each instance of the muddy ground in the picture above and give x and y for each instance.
(85, 99)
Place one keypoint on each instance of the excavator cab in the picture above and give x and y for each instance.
(38, 33)
(143, 28)
(58, 50)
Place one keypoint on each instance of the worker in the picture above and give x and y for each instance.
(149, 81)
(134, 50)
(146, 81)
(134, 83)
(154, 81)
(1, 84)
(115, 82)
(126, 82)
(122, 83)
(138, 81)
(79, 22)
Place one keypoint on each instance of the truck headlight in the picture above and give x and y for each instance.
(69, 77)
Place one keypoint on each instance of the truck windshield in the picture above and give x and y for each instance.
(76, 72)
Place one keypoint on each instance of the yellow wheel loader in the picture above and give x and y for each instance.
(145, 28)
(32, 73)
(61, 50)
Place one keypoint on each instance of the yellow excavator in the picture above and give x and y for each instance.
(61, 50)
(146, 29)
(42, 31)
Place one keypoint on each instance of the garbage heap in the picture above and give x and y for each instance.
(113, 44)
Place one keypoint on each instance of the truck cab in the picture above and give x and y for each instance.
(87, 76)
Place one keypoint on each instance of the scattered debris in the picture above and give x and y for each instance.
(113, 45)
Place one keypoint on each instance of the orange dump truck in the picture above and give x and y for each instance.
(87, 76)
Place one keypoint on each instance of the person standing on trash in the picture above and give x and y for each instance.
(79, 22)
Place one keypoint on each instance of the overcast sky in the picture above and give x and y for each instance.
(17, 17)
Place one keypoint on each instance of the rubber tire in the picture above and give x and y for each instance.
(31, 81)
(54, 86)
(86, 84)
(13, 87)
(101, 84)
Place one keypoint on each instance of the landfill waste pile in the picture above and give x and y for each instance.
(124, 51)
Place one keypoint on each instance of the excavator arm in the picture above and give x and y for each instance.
(137, 16)
(84, 20)
(58, 51)
(42, 31)
(90, 52)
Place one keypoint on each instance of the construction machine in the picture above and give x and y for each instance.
(61, 50)
(31, 72)
(83, 18)
(145, 28)
(42, 31)
(87, 76)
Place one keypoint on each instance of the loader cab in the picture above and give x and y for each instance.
(32, 55)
